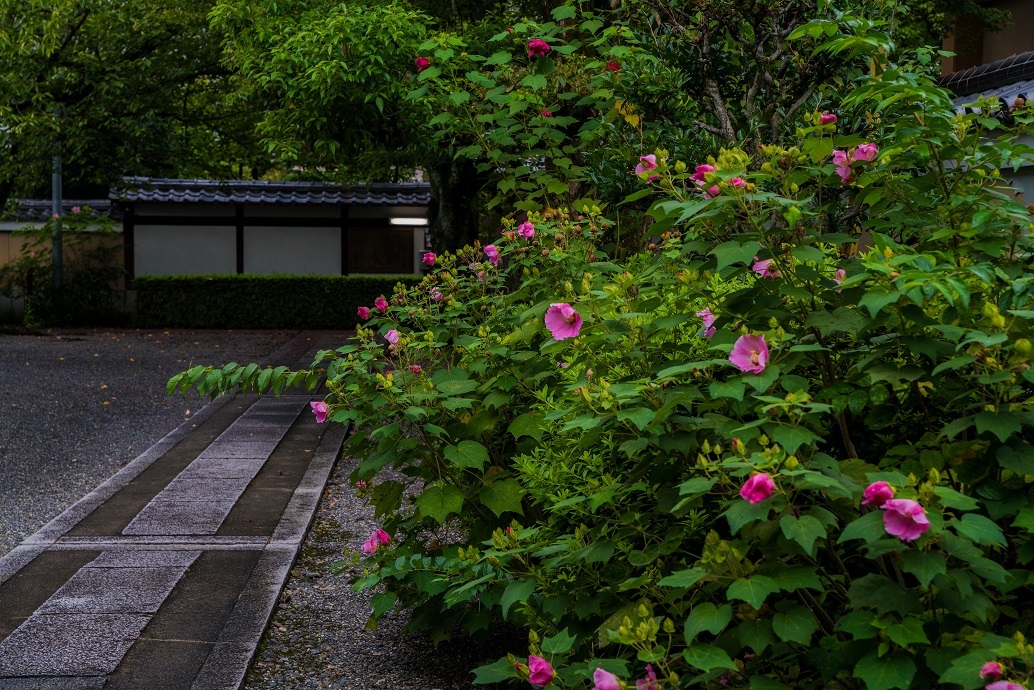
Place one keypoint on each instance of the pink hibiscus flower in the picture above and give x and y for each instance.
(904, 519)
(757, 488)
(430, 258)
(750, 353)
(492, 252)
(764, 269)
(363, 312)
(646, 164)
(381, 304)
(563, 321)
(877, 494)
(319, 408)
(708, 319)
(526, 230)
(422, 63)
(605, 680)
(827, 118)
(537, 46)
(541, 671)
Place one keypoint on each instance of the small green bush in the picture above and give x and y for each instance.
(257, 301)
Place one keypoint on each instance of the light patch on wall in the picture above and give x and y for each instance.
(407, 221)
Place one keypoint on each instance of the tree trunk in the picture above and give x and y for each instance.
(451, 214)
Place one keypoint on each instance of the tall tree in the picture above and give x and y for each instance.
(117, 87)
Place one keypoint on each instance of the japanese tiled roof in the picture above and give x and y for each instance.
(41, 209)
(150, 189)
(983, 79)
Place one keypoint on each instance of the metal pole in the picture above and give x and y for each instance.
(56, 193)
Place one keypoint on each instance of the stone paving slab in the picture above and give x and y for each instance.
(166, 575)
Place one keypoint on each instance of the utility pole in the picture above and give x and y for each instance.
(56, 213)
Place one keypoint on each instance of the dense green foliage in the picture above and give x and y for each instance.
(256, 301)
(789, 443)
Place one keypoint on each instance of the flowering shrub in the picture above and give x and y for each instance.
(787, 446)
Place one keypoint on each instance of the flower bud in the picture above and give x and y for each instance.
(680, 167)
(998, 321)
(705, 446)
(791, 462)
(668, 626)
(1023, 347)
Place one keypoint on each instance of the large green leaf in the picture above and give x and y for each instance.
(886, 673)
(1001, 424)
(705, 658)
(795, 624)
(980, 529)
(683, 578)
(440, 501)
(503, 495)
(803, 530)
(707, 617)
(528, 424)
(925, 565)
(517, 590)
(468, 454)
(731, 252)
(753, 590)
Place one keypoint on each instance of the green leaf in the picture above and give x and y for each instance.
(382, 603)
(803, 530)
(876, 300)
(950, 498)
(500, 58)
(528, 424)
(791, 438)
(683, 578)
(563, 12)
(1001, 424)
(795, 624)
(558, 644)
(925, 565)
(503, 495)
(729, 253)
(980, 529)
(639, 416)
(1020, 460)
(818, 149)
(908, 631)
(705, 658)
(707, 617)
(727, 389)
(439, 502)
(766, 683)
(790, 579)
(453, 382)
(517, 590)
(878, 592)
(886, 673)
(741, 513)
(868, 527)
(753, 590)
(495, 672)
(965, 670)
(468, 454)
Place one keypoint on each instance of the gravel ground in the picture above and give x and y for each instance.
(318, 638)
(77, 405)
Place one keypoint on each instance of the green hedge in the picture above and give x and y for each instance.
(257, 301)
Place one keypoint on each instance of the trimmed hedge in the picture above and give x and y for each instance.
(257, 301)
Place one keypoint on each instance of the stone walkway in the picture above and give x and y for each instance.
(166, 575)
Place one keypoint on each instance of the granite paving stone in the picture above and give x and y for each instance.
(204, 489)
(114, 590)
(69, 645)
(143, 559)
(179, 517)
(257, 450)
(223, 467)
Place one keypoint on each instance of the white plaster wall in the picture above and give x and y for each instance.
(312, 251)
(179, 250)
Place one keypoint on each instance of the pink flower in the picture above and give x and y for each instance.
(839, 276)
(845, 174)
(1004, 685)
(826, 118)
(415, 368)
(436, 294)
(738, 182)
(646, 164)
(877, 494)
(430, 258)
(841, 159)
(76, 209)
(712, 191)
(363, 312)
(492, 252)
(904, 519)
(422, 63)
(763, 269)
(381, 304)
(605, 680)
(360, 484)
(319, 408)
(650, 682)
(991, 670)
(392, 336)
(377, 538)
(563, 321)
(757, 488)
(750, 353)
(612, 66)
(526, 230)
(709, 319)
(866, 152)
(541, 671)
(546, 113)
(537, 46)
(700, 174)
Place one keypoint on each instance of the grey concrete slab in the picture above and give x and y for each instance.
(17, 558)
(144, 559)
(114, 590)
(225, 667)
(265, 419)
(165, 542)
(95, 683)
(257, 450)
(223, 467)
(255, 605)
(204, 489)
(179, 517)
(69, 645)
